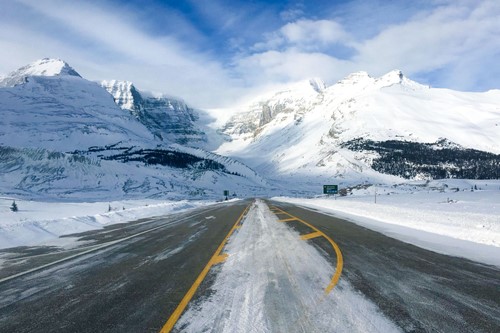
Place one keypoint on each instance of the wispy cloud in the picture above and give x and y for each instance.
(292, 14)
(306, 35)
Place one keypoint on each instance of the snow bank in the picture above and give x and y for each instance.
(37, 223)
(463, 223)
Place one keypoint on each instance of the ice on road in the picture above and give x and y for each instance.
(273, 281)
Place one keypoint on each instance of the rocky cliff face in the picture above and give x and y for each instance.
(292, 101)
(169, 119)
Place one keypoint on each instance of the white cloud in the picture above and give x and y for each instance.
(114, 32)
(448, 37)
(307, 35)
(308, 32)
(290, 66)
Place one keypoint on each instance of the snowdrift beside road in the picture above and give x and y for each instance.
(38, 223)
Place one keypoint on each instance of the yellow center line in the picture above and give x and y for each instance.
(338, 253)
(288, 220)
(216, 258)
(311, 235)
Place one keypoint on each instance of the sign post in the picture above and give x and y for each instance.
(226, 193)
(331, 189)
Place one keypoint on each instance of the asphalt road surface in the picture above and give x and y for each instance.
(131, 277)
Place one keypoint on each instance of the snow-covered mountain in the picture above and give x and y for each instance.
(63, 112)
(62, 136)
(365, 129)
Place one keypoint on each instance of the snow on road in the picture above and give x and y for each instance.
(273, 281)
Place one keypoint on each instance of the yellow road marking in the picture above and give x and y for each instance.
(216, 258)
(338, 253)
(288, 220)
(311, 235)
(220, 258)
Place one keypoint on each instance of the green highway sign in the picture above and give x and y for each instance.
(226, 193)
(330, 189)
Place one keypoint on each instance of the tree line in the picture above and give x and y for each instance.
(442, 159)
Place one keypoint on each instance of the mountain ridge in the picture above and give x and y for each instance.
(359, 130)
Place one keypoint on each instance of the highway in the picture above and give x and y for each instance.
(141, 276)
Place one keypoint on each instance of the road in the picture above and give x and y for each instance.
(132, 277)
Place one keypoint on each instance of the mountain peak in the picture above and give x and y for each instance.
(42, 67)
(397, 77)
(355, 78)
(363, 79)
(48, 67)
(394, 76)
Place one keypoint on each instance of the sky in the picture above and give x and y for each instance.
(216, 53)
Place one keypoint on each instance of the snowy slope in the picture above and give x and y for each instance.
(300, 134)
(64, 113)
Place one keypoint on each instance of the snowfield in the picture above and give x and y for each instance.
(273, 281)
(436, 217)
(41, 223)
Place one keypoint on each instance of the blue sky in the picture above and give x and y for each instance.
(214, 53)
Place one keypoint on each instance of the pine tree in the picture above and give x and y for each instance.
(13, 207)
